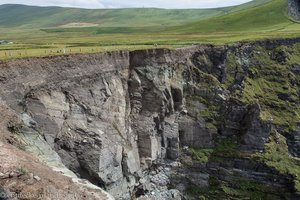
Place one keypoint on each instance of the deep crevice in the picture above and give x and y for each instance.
(84, 174)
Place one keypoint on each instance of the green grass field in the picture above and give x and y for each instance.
(37, 17)
(45, 31)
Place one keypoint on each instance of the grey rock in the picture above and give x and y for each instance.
(296, 69)
(37, 178)
(255, 132)
(293, 9)
(293, 141)
(194, 133)
(4, 176)
(3, 194)
(199, 179)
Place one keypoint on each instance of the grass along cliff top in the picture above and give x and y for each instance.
(42, 31)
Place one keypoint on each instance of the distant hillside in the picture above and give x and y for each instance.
(43, 17)
(268, 15)
(40, 31)
(31, 16)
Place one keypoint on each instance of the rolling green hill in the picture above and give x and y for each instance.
(38, 31)
(270, 15)
(33, 16)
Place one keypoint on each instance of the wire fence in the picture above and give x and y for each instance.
(17, 52)
(47, 52)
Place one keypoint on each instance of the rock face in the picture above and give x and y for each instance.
(117, 119)
(3, 194)
(294, 142)
(294, 9)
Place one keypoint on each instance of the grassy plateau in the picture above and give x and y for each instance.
(40, 31)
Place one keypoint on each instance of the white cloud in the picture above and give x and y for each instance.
(129, 3)
(63, 3)
(172, 3)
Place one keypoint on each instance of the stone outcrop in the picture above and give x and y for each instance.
(294, 9)
(116, 118)
(293, 141)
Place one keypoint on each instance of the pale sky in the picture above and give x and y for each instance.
(129, 3)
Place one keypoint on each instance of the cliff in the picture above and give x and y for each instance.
(199, 122)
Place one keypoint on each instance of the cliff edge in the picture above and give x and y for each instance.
(199, 122)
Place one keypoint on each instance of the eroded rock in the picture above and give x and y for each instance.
(116, 118)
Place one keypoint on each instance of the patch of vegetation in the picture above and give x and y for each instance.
(201, 155)
(233, 68)
(295, 55)
(209, 113)
(194, 192)
(225, 148)
(274, 86)
(234, 190)
(203, 79)
(22, 170)
(277, 156)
